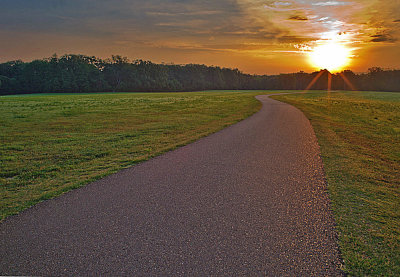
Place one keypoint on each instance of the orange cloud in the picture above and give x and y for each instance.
(257, 36)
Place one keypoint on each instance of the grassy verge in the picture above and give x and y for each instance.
(359, 135)
(50, 144)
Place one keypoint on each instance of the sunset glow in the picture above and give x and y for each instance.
(260, 37)
(331, 55)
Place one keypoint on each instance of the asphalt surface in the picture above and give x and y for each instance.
(250, 200)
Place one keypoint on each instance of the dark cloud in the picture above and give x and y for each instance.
(382, 38)
(164, 29)
(157, 26)
(295, 39)
(149, 20)
(298, 17)
(102, 17)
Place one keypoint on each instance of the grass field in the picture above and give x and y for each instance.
(359, 135)
(50, 144)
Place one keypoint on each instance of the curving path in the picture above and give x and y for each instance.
(249, 200)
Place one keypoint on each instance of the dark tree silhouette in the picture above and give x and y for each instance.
(79, 73)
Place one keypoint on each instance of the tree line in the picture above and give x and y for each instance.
(80, 73)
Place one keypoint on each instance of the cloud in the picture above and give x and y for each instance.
(295, 39)
(169, 29)
(382, 38)
(298, 17)
(87, 17)
(331, 3)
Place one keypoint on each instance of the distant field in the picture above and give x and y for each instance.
(50, 144)
(359, 135)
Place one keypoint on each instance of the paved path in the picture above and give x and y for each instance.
(249, 200)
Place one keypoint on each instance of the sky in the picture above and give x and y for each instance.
(255, 36)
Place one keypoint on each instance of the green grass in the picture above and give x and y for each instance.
(359, 136)
(50, 144)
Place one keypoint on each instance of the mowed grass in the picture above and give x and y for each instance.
(50, 144)
(359, 136)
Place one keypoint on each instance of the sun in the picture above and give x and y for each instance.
(331, 55)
